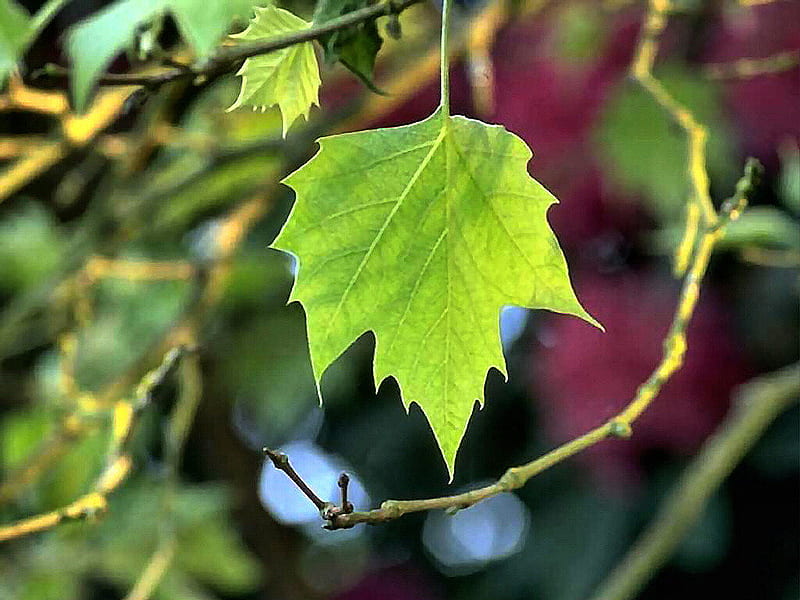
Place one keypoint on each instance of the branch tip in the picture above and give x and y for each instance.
(344, 481)
(281, 462)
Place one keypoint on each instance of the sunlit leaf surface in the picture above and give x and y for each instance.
(287, 78)
(422, 234)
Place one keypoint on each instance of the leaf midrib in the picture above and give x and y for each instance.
(423, 164)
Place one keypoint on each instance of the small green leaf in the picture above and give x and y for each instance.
(355, 47)
(764, 226)
(31, 247)
(422, 234)
(288, 78)
(14, 31)
(93, 43)
(203, 24)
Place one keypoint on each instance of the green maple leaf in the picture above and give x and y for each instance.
(288, 78)
(422, 234)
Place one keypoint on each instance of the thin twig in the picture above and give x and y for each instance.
(343, 482)
(655, 22)
(281, 462)
(758, 404)
(175, 435)
(744, 68)
(30, 165)
(154, 572)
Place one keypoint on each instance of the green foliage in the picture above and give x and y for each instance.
(764, 226)
(579, 33)
(645, 151)
(288, 78)
(14, 29)
(355, 47)
(205, 186)
(93, 43)
(30, 247)
(208, 550)
(790, 177)
(184, 184)
(120, 330)
(422, 234)
(21, 434)
(203, 23)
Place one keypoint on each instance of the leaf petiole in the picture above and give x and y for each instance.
(444, 102)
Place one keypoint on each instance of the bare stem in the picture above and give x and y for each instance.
(344, 481)
(281, 462)
(444, 100)
(696, 133)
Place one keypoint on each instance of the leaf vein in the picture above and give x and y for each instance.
(383, 229)
(416, 288)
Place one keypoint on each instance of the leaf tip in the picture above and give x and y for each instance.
(318, 390)
(591, 320)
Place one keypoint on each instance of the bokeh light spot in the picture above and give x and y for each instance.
(474, 537)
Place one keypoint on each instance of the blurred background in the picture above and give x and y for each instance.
(154, 231)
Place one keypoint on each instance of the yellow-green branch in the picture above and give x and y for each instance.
(118, 464)
(757, 405)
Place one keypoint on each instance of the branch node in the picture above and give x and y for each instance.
(511, 480)
(453, 510)
(391, 509)
(329, 511)
(620, 429)
(279, 459)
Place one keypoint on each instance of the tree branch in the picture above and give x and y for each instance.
(228, 59)
(281, 462)
(744, 68)
(758, 404)
(641, 71)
